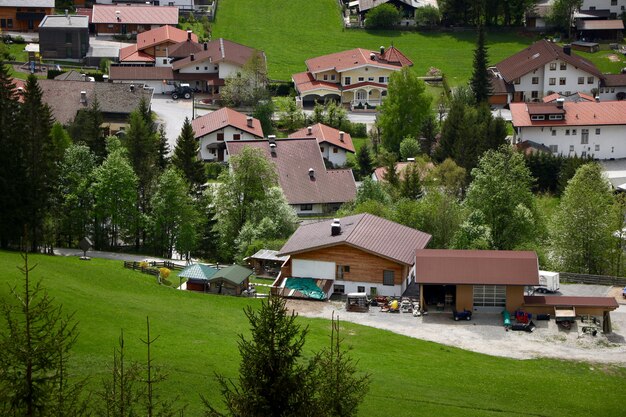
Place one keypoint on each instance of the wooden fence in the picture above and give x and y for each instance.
(592, 279)
(152, 267)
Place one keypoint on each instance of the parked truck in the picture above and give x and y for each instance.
(548, 282)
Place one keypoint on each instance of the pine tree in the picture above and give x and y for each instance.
(480, 81)
(411, 184)
(163, 150)
(364, 160)
(11, 169)
(87, 128)
(39, 158)
(185, 156)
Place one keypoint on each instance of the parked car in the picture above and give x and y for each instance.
(182, 90)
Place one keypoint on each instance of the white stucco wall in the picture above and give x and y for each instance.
(609, 143)
(544, 75)
(200, 67)
(383, 290)
(618, 8)
(610, 93)
(316, 209)
(338, 159)
(229, 131)
(227, 69)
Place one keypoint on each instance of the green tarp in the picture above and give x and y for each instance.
(306, 286)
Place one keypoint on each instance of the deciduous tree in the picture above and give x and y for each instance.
(383, 16)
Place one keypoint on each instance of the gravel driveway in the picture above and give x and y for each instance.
(485, 333)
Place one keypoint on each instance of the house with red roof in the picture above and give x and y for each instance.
(585, 128)
(309, 187)
(122, 19)
(334, 144)
(542, 69)
(217, 128)
(167, 56)
(356, 78)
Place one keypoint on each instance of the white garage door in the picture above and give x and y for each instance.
(303, 268)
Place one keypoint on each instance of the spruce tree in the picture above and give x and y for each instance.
(364, 161)
(163, 150)
(480, 81)
(185, 156)
(87, 129)
(11, 169)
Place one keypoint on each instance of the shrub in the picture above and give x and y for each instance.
(54, 73)
(213, 170)
(382, 17)
(18, 39)
(280, 89)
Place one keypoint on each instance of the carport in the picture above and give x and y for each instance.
(309, 100)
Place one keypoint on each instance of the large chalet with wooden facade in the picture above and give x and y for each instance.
(122, 19)
(23, 15)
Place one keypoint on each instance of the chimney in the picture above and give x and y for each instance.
(335, 227)
(188, 35)
(373, 56)
(597, 99)
(192, 57)
(309, 130)
(206, 46)
(341, 134)
(273, 149)
(272, 139)
(382, 50)
(83, 97)
(249, 121)
(410, 159)
(312, 173)
(132, 88)
(567, 49)
(559, 103)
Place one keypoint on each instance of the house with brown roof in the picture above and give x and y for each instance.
(356, 78)
(23, 15)
(122, 19)
(612, 87)
(214, 130)
(542, 69)
(334, 144)
(360, 253)
(308, 186)
(152, 46)
(204, 66)
(116, 101)
(584, 128)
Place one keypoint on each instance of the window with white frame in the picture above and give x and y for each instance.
(590, 80)
(553, 132)
(535, 80)
(552, 81)
(554, 148)
(556, 117)
(563, 66)
(597, 131)
(552, 66)
(597, 148)
(584, 136)
(537, 117)
(566, 132)
(581, 80)
(571, 148)
(562, 81)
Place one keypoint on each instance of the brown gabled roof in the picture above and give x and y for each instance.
(131, 73)
(63, 97)
(486, 267)
(599, 24)
(184, 49)
(139, 14)
(365, 231)
(560, 300)
(537, 55)
(293, 158)
(613, 80)
(223, 117)
(220, 50)
(328, 134)
(162, 34)
(304, 82)
(353, 58)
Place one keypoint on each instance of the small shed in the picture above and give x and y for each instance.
(586, 46)
(266, 263)
(231, 280)
(198, 276)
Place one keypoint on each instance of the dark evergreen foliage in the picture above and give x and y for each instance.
(185, 157)
(480, 81)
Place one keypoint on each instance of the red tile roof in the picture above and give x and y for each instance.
(223, 117)
(574, 97)
(486, 267)
(582, 113)
(163, 34)
(560, 300)
(184, 49)
(370, 233)
(83, 11)
(327, 134)
(293, 158)
(140, 14)
(537, 55)
(305, 81)
(131, 54)
(353, 58)
(221, 50)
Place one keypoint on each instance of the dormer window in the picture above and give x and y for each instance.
(556, 117)
(537, 117)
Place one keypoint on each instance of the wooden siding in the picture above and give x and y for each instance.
(514, 297)
(21, 25)
(364, 266)
(464, 297)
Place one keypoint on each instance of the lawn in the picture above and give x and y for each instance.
(198, 336)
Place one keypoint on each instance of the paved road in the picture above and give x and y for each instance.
(112, 255)
(584, 290)
(172, 114)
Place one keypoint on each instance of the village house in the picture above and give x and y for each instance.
(186, 5)
(583, 128)
(308, 186)
(214, 130)
(406, 7)
(334, 144)
(542, 69)
(116, 101)
(122, 19)
(166, 56)
(360, 253)
(612, 87)
(609, 9)
(23, 15)
(64, 37)
(356, 78)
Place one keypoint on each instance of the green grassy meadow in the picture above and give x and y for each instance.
(292, 31)
(199, 334)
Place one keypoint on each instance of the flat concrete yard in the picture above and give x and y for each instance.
(485, 333)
